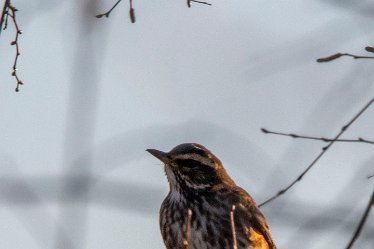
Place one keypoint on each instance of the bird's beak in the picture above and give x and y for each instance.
(162, 156)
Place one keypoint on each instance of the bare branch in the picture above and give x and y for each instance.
(10, 11)
(369, 49)
(371, 176)
(106, 14)
(195, 1)
(323, 139)
(324, 150)
(132, 13)
(338, 55)
(4, 15)
(362, 222)
(233, 229)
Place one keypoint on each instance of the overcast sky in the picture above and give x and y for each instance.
(98, 92)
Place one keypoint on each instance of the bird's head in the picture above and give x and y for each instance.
(191, 166)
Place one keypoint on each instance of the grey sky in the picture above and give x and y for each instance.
(98, 92)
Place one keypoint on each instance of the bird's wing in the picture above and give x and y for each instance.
(253, 220)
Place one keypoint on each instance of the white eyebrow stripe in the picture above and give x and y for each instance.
(196, 157)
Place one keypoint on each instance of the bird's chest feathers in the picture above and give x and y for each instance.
(194, 222)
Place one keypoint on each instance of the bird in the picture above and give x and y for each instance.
(204, 208)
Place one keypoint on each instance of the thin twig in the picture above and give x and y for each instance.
(186, 241)
(12, 13)
(132, 13)
(292, 135)
(370, 176)
(362, 222)
(338, 55)
(132, 10)
(4, 13)
(195, 1)
(106, 14)
(233, 229)
(324, 150)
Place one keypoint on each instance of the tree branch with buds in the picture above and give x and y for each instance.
(106, 14)
(323, 139)
(132, 10)
(10, 11)
(324, 150)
